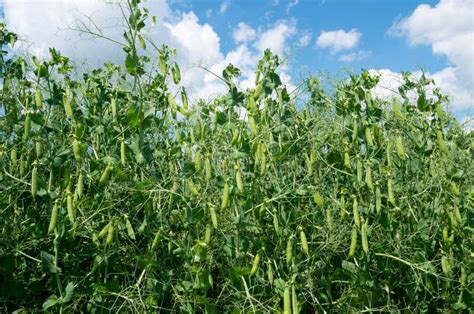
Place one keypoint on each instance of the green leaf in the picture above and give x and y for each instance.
(135, 147)
(69, 293)
(51, 301)
(131, 64)
(141, 41)
(47, 261)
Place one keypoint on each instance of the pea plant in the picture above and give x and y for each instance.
(119, 193)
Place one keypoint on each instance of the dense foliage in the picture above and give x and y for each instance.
(115, 194)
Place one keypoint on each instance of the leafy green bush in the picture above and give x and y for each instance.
(116, 195)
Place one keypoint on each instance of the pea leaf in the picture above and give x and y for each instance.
(131, 64)
(51, 301)
(47, 261)
(68, 293)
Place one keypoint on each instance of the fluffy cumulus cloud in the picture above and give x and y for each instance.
(244, 33)
(388, 84)
(197, 43)
(45, 24)
(188, 34)
(448, 27)
(338, 40)
(390, 81)
(275, 38)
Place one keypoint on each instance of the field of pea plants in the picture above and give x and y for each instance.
(120, 194)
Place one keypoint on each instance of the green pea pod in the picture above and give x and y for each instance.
(110, 235)
(252, 125)
(363, 234)
(156, 240)
(213, 216)
(368, 177)
(256, 262)
(355, 212)
(304, 242)
(286, 301)
(391, 197)
(289, 250)
(239, 182)
(353, 246)
(104, 178)
(207, 235)
(70, 208)
(26, 134)
(318, 199)
(34, 182)
(54, 218)
(192, 188)
(130, 231)
(38, 99)
(400, 148)
(225, 196)
(397, 110)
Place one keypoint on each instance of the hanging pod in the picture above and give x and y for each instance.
(252, 125)
(304, 242)
(397, 110)
(368, 136)
(26, 134)
(256, 262)
(355, 211)
(353, 246)
(38, 98)
(363, 235)
(239, 182)
(77, 150)
(400, 148)
(70, 208)
(104, 178)
(192, 188)
(54, 217)
(441, 143)
(225, 195)
(129, 227)
(368, 177)
(34, 181)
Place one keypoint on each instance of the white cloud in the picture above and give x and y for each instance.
(339, 40)
(224, 6)
(304, 40)
(355, 56)
(448, 27)
(388, 84)
(50, 27)
(244, 33)
(445, 79)
(462, 95)
(197, 43)
(275, 38)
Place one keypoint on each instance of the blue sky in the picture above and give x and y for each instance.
(372, 18)
(332, 36)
